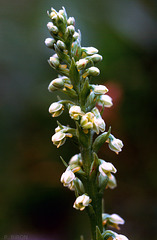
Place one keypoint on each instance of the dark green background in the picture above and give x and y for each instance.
(32, 199)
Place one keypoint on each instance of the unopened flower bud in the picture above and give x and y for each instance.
(89, 50)
(98, 122)
(112, 183)
(81, 63)
(61, 45)
(96, 58)
(71, 21)
(56, 109)
(105, 100)
(82, 202)
(98, 125)
(70, 30)
(67, 178)
(75, 112)
(53, 16)
(52, 28)
(99, 89)
(106, 168)
(93, 71)
(49, 42)
(115, 144)
(60, 17)
(61, 12)
(76, 35)
(54, 61)
(55, 84)
(76, 160)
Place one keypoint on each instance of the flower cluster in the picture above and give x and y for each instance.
(85, 173)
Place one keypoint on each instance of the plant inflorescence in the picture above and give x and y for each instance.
(86, 174)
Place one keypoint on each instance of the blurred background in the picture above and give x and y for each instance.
(33, 202)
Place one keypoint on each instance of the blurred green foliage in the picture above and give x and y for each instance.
(33, 200)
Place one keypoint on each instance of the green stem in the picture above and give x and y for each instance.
(90, 185)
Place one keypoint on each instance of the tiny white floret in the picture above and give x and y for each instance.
(115, 218)
(105, 100)
(82, 202)
(100, 89)
(56, 109)
(75, 112)
(115, 144)
(106, 168)
(90, 50)
(67, 177)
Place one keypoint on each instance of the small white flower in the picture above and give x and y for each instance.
(56, 109)
(59, 137)
(99, 89)
(112, 183)
(96, 58)
(50, 25)
(55, 84)
(75, 112)
(71, 21)
(82, 202)
(54, 61)
(67, 179)
(70, 30)
(53, 13)
(49, 42)
(93, 71)
(115, 144)
(52, 28)
(98, 125)
(82, 63)
(61, 45)
(57, 129)
(76, 160)
(105, 100)
(76, 35)
(90, 50)
(98, 122)
(87, 120)
(60, 16)
(115, 218)
(75, 163)
(112, 220)
(106, 168)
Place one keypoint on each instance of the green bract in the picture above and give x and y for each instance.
(85, 173)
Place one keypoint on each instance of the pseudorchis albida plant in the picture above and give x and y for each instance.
(86, 174)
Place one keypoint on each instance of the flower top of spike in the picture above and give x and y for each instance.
(76, 66)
